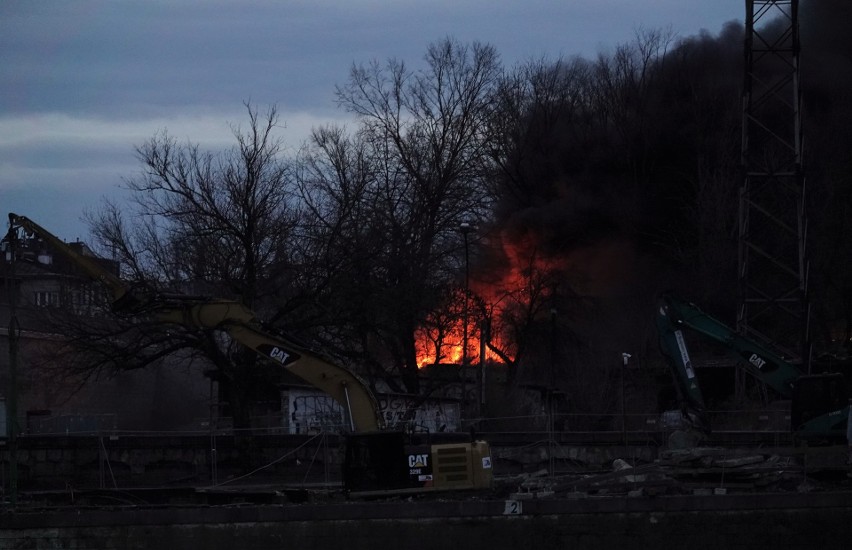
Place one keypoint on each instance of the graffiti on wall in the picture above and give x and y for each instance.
(315, 412)
(431, 415)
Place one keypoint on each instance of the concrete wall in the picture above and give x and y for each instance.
(782, 521)
(132, 461)
(85, 462)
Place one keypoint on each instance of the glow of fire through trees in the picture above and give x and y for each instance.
(441, 339)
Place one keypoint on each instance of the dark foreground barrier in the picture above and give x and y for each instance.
(777, 521)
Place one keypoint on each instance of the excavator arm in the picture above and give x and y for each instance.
(228, 316)
(764, 364)
(126, 298)
(820, 406)
(673, 346)
(240, 323)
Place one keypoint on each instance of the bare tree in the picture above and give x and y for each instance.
(202, 222)
(341, 248)
(402, 185)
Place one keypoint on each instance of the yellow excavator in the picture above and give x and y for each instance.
(377, 461)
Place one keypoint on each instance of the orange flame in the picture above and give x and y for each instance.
(526, 276)
(441, 340)
(445, 344)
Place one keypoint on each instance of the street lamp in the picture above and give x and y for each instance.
(625, 359)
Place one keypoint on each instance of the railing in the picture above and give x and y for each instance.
(209, 450)
(721, 420)
(68, 424)
(760, 421)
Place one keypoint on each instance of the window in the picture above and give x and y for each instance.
(44, 298)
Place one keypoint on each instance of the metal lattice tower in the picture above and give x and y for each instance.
(773, 265)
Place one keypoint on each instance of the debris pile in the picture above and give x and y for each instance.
(698, 471)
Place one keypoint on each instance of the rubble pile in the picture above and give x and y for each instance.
(697, 471)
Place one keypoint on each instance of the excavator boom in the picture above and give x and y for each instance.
(90, 267)
(819, 402)
(758, 360)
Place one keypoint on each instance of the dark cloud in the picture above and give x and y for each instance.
(127, 58)
(108, 63)
(122, 57)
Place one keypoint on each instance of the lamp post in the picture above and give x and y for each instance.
(625, 359)
(465, 229)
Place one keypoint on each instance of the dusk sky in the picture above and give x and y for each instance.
(84, 82)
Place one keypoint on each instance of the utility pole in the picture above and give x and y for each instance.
(12, 416)
(484, 338)
(465, 229)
